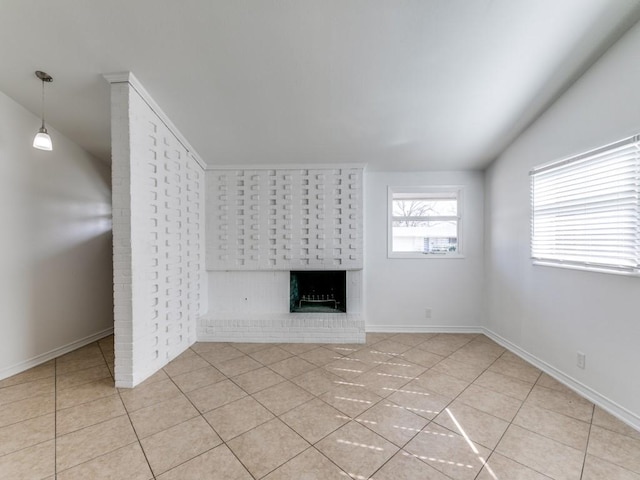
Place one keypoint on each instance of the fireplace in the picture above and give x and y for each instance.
(275, 238)
(317, 291)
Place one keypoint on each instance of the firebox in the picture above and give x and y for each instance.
(318, 291)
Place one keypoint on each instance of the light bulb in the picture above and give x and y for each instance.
(42, 140)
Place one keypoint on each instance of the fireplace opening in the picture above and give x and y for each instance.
(318, 291)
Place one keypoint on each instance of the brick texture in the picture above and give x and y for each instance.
(296, 328)
(285, 219)
(261, 220)
(158, 200)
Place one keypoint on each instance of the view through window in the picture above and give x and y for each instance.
(424, 221)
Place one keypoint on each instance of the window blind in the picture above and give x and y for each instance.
(586, 209)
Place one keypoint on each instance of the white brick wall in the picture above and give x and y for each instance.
(296, 328)
(284, 219)
(158, 228)
(254, 307)
(121, 207)
(262, 223)
(260, 220)
(245, 294)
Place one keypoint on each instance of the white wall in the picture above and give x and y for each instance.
(551, 313)
(158, 230)
(55, 244)
(398, 291)
(241, 294)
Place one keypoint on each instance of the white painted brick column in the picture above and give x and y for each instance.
(158, 232)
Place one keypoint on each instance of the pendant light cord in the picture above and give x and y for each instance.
(42, 103)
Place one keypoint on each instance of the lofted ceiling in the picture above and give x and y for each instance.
(397, 84)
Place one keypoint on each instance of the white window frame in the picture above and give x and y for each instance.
(585, 210)
(444, 189)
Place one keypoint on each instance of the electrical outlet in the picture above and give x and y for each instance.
(427, 313)
(581, 359)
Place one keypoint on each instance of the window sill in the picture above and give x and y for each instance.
(424, 256)
(585, 268)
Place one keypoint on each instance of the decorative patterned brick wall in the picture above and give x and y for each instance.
(158, 200)
(262, 220)
(284, 219)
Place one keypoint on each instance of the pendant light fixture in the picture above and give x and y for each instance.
(42, 140)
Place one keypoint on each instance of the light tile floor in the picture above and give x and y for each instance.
(403, 406)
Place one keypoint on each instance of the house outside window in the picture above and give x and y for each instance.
(425, 222)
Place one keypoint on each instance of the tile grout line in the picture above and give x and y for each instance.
(321, 366)
(586, 448)
(277, 416)
(338, 428)
(98, 456)
(541, 407)
(55, 418)
(201, 414)
(493, 450)
(538, 433)
(311, 445)
(533, 385)
(352, 419)
(315, 397)
(429, 421)
(135, 432)
(127, 412)
(102, 422)
(128, 416)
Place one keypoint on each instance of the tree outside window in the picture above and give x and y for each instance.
(424, 221)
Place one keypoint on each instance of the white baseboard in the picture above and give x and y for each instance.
(593, 396)
(598, 399)
(51, 354)
(422, 329)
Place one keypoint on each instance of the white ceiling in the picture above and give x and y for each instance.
(397, 84)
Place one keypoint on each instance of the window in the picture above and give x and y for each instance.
(424, 222)
(586, 210)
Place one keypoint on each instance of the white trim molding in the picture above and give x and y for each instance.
(51, 354)
(590, 394)
(595, 397)
(422, 329)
